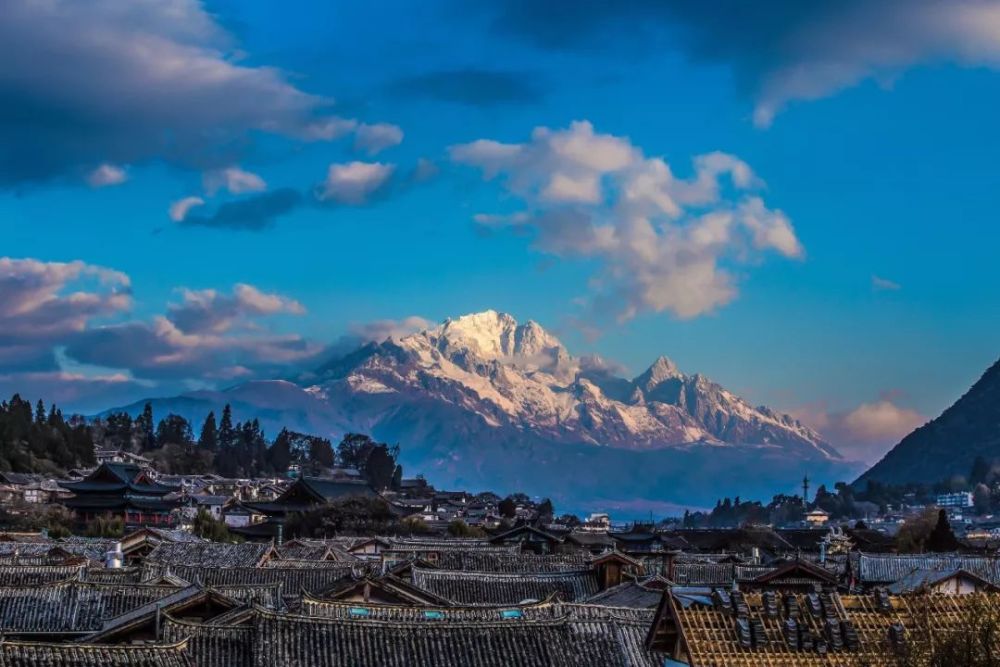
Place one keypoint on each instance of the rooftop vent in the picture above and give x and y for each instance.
(770, 602)
(850, 635)
(791, 607)
(882, 600)
(791, 631)
(743, 632)
(897, 637)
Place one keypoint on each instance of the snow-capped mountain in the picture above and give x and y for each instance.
(482, 400)
(521, 376)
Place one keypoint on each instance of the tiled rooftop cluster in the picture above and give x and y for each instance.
(521, 596)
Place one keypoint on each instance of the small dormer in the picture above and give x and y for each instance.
(612, 567)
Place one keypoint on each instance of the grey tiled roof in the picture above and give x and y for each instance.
(628, 594)
(493, 588)
(279, 639)
(71, 606)
(293, 580)
(209, 554)
(18, 575)
(887, 568)
(513, 563)
(214, 645)
(119, 575)
(26, 654)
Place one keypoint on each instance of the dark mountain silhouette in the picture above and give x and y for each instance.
(948, 445)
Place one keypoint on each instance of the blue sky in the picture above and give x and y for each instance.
(862, 297)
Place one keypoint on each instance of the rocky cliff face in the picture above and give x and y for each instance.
(948, 445)
(483, 400)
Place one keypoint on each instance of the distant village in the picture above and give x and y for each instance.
(120, 564)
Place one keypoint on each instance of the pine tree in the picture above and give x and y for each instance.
(40, 413)
(209, 438)
(227, 434)
(144, 428)
(280, 455)
(942, 538)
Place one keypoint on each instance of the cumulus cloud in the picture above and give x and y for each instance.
(865, 432)
(45, 303)
(159, 349)
(252, 213)
(234, 180)
(373, 139)
(179, 209)
(472, 86)
(42, 300)
(780, 51)
(662, 242)
(354, 182)
(208, 334)
(884, 284)
(121, 83)
(209, 310)
(64, 327)
(105, 175)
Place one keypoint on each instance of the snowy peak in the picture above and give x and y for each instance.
(663, 369)
(515, 376)
(493, 336)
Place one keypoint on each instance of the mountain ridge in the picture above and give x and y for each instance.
(478, 398)
(949, 444)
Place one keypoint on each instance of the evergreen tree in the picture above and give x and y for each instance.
(253, 449)
(508, 508)
(209, 438)
(40, 414)
(379, 467)
(321, 453)
(144, 425)
(546, 510)
(397, 478)
(942, 539)
(353, 450)
(173, 430)
(280, 455)
(227, 434)
(118, 430)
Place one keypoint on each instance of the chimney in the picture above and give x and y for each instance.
(113, 559)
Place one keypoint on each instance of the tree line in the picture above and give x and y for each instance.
(41, 440)
(241, 449)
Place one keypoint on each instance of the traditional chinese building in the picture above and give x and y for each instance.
(121, 490)
(304, 494)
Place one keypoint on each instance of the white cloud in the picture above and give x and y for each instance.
(211, 310)
(354, 182)
(105, 175)
(180, 208)
(375, 138)
(45, 303)
(866, 431)
(663, 243)
(883, 284)
(233, 179)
